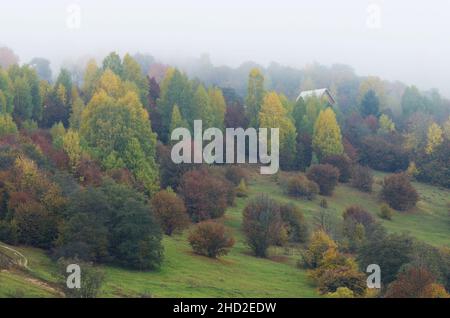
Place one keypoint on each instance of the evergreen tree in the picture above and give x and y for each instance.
(255, 96)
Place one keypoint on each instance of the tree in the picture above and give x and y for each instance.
(177, 120)
(390, 252)
(90, 78)
(376, 85)
(295, 223)
(415, 282)
(132, 72)
(412, 101)
(124, 138)
(434, 138)
(301, 187)
(7, 57)
(211, 239)
(343, 163)
(7, 125)
(218, 106)
(170, 211)
(327, 139)
(23, 103)
(370, 104)
(398, 192)
(361, 178)
(42, 67)
(255, 95)
(273, 115)
(319, 244)
(384, 153)
(204, 194)
(114, 63)
(387, 126)
(202, 108)
(72, 147)
(326, 176)
(263, 225)
(446, 129)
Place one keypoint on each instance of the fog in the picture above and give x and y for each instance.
(405, 40)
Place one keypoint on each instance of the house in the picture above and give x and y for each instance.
(321, 93)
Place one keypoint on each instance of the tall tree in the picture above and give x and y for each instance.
(255, 96)
(434, 138)
(274, 115)
(42, 67)
(114, 63)
(370, 104)
(327, 139)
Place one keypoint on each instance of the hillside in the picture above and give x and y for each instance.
(239, 274)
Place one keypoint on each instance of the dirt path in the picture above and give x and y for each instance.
(20, 258)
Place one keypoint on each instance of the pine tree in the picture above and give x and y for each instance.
(327, 139)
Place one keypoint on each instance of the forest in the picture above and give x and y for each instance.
(86, 177)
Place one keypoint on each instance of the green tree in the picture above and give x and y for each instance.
(386, 125)
(132, 72)
(218, 106)
(255, 96)
(434, 138)
(114, 63)
(370, 104)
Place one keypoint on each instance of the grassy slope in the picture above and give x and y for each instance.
(239, 274)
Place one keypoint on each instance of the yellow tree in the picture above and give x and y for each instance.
(327, 139)
(386, 124)
(218, 106)
(274, 115)
(434, 138)
(255, 96)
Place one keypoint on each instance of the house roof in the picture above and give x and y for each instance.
(317, 92)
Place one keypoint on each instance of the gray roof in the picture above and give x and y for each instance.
(317, 92)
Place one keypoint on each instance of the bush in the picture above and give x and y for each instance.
(205, 196)
(326, 176)
(359, 215)
(343, 163)
(362, 178)
(380, 154)
(295, 223)
(170, 211)
(386, 212)
(313, 256)
(210, 239)
(416, 282)
(301, 187)
(263, 225)
(398, 192)
(241, 190)
(434, 168)
(358, 224)
(235, 174)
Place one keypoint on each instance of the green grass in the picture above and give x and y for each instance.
(239, 274)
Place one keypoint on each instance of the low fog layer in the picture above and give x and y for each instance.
(403, 40)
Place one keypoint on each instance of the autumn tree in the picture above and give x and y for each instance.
(387, 126)
(170, 211)
(114, 63)
(434, 137)
(327, 139)
(325, 175)
(398, 192)
(255, 96)
(211, 239)
(273, 115)
(7, 57)
(124, 138)
(263, 225)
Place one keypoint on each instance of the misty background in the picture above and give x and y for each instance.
(395, 40)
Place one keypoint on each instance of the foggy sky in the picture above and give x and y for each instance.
(410, 43)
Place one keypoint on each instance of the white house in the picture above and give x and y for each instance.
(321, 93)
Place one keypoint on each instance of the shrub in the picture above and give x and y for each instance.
(301, 187)
(341, 292)
(210, 239)
(386, 212)
(241, 190)
(326, 176)
(390, 252)
(343, 163)
(337, 270)
(358, 224)
(263, 225)
(398, 192)
(205, 196)
(362, 178)
(92, 279)
(384, 155)
(7, 125)
(359, 215)
(170, 211)
(295, 223)
(435, 167)
(313, 256)
(415, 282)
(235, 174)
